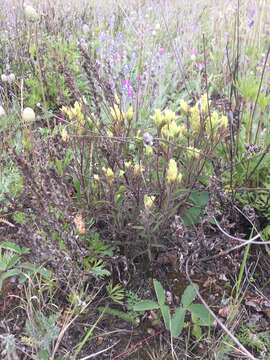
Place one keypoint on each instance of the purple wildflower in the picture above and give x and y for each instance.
(127, 87)
(251, 14)
(161, 51)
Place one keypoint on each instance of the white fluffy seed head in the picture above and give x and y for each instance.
(2, 111)
(4, 78)
(11, 78)
(28, 115)
(30, 13)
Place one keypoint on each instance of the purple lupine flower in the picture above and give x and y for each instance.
(161, 51)
(251, 14)
(102, 36)
(127, 87)
(193, 54)
(200, 66)
(250, 23)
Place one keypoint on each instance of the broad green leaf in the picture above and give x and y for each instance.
(165, 311)
(43, 355)
(199, 198)
(197, 331)
(7, 245)
(203, 315)
(192, 216)
(189, 295)
(8, 274)
(12, 261)
(33, 269)
(146, 305)
(129, 316)
(178, 321)
(159, 292)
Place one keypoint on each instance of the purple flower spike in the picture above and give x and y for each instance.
(127, 87)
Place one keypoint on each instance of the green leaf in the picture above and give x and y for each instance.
(8, 274)
(203, 315)
(189, 295)
(192, 216)
(128, 316)
(197, 331)
(12, 261)
(7, 245)
(178, 321)
(160, 293)
(199, 198)
(33, 269)
(43, 355)
(165, 311)
(145, 305)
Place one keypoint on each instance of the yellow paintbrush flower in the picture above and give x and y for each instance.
(172, 171)
(148, 201)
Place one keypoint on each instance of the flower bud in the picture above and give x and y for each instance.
(148, 201)
(64, 135)
(129, 114)
(172, 171)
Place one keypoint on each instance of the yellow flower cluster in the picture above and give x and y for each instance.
(195, 119)
(158, 118)
(184, 106)
(200, 113)
(161, 118)
(195, 112)
(148, 202)
(172, 130)
(193, 152)
(129, 114)
(120, 116)
(216, 122)
(204, 103)
(173, 175)
(64, 135)
(75, 113)
(137, 169)
(108, 172)
(166, 121)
